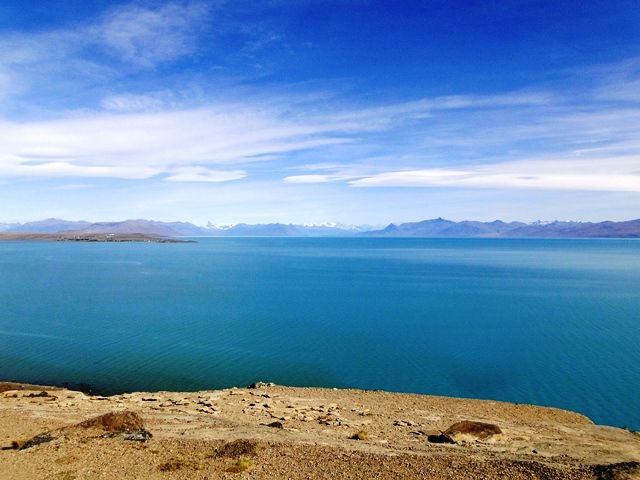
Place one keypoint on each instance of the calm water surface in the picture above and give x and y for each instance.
(551, 322)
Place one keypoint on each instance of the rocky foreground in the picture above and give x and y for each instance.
(272, 432)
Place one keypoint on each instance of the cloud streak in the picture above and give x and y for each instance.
(181, 144)
(596, 174)
(593, 149)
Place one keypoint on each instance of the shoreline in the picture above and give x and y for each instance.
(292, 432)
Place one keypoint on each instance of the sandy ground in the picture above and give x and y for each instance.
(202, 435)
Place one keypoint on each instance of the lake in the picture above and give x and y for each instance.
(550, 322)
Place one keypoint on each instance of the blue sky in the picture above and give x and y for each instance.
(311, 111)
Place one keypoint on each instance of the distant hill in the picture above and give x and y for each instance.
(446, 228)
(283, 230)
(438, 227)
(7, 226)
(50, 225)
(147, 227)
(628, 229)
(178, 229)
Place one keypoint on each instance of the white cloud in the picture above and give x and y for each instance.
(314, 178)
(129, 37)
(201, 174)
(132, 103)
(181, 144)
(146, 36)
(595, 174)
(596, 149)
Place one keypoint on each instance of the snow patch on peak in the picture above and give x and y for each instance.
(220, 226)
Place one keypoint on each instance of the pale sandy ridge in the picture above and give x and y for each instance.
(189, 429)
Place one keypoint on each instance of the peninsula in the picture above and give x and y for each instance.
(89, 237)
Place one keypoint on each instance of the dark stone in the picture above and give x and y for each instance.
(37, 440)
(439, 439)
(261, 384)
(141, 435)
(276, 425)
(41, 394)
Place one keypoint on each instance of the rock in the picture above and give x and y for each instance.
(404, 423)
(115, 422)
(37, 440)
(276, 425)
(438, 438)
(331, 419)
(41, 394)
(470, 431)
(237, 448)
(261, 385)
(206, 410)
(141, 435)
(361, 435)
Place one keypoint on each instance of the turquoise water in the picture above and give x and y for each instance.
(551, 322)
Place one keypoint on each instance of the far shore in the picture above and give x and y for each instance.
(90, 237)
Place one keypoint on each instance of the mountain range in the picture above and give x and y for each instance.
(438, 227)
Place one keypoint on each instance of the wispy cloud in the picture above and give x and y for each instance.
(146, 36)
(312, 178)
(66, 67)
(203, 174)
(142, 36)
(564, 140)
(133, 103)
(462, 141)
(182, 144)
(597, 174)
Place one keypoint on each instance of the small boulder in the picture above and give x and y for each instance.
(141, 435)
(41, 394)
(33, 442)
(116, 422)
(237, 448)
(276, 424)
(470, 431)
(261, 385)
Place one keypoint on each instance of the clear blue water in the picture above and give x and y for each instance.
(550, 322)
